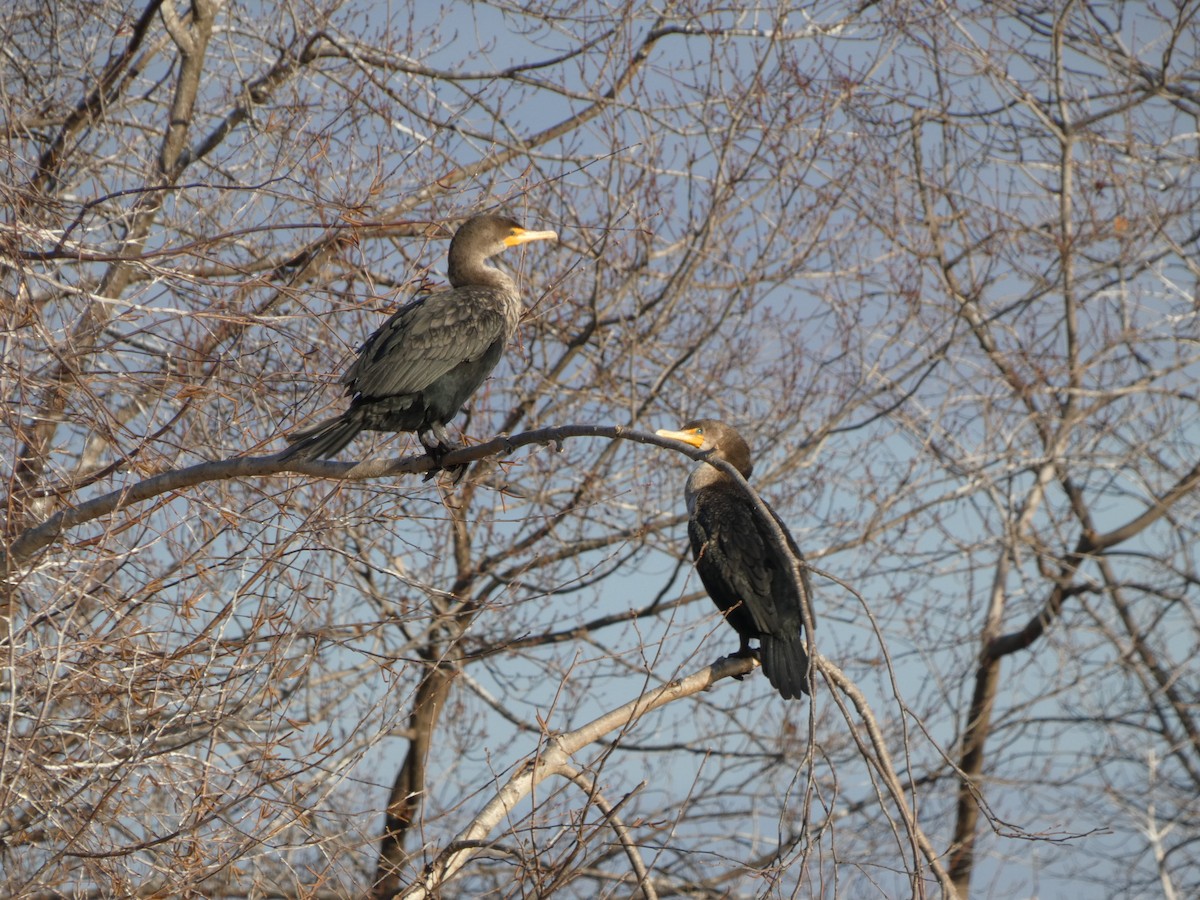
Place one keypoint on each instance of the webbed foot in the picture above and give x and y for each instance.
(437, 444)
(745, 651)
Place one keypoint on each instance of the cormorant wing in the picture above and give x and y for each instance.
(424, 340)
(805, 580)
(743, 555)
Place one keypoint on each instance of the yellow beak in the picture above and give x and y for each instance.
(521, 236)
(687, 437)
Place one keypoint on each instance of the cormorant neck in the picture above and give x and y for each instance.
(476, 272)
(701, 477)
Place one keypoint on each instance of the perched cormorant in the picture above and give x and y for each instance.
(419, 368)
(740, 561)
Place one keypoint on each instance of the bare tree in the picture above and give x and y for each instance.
(938, 263)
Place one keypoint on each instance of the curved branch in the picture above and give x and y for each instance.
(553, 759)
(610, 813)
(40, 536)
(1089, 544)
(882, 763)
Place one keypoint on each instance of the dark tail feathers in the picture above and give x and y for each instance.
(785, 663)
(325, 438)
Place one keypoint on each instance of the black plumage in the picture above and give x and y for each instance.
(741, 563)
(419, 368)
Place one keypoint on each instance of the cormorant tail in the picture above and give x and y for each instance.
(325, 438)
(785, 663)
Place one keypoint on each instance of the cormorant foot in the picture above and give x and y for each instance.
(456, 473)
(745, 651)
(437, 451)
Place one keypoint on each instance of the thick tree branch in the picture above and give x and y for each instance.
(88, 109)
(40, 536)
(408, 790)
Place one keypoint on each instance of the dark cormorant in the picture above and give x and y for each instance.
(416, 372)
(740, 561)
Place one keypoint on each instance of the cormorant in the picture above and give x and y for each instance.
(419, 368)
(740, 561)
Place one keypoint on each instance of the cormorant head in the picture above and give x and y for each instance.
(718, 439)
(481, 237)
